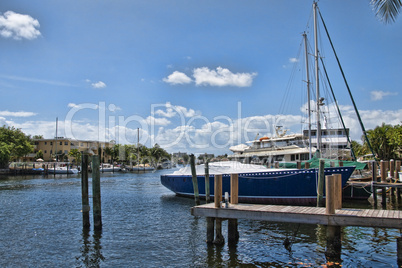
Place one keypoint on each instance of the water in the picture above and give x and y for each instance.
(146, 225)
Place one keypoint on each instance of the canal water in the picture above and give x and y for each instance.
(146, 225)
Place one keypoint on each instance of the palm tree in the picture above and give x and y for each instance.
(387, 10)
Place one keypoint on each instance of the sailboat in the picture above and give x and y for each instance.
(258, 184)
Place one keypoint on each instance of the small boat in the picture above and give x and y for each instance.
(141, 167)
(62, 170)
(109, 168)
(257, 184)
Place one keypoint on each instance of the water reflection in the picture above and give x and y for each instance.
(91, 249)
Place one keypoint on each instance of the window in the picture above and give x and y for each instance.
(66, 143)
(304, 156)
(65, 152)
(45, 142)
(51, 143)
(45, 151)
(61, 143)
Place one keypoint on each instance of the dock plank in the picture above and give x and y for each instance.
(308, 215)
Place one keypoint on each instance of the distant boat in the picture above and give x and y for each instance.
(141, 167)
(62, 170)
(105, 167)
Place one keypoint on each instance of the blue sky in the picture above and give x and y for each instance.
(195, 76)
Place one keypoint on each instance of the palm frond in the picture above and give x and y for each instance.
(386, 10)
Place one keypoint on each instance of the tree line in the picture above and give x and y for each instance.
(385, 141)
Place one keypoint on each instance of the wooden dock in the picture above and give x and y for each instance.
(307, 215)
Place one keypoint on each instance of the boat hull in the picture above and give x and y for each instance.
(271, 187)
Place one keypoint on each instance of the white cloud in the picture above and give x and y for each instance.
(173, 110)
(157, 121)
(17, 114)
(177, 78)
(99, 84)
(222, 77)
(18, 26)
(379, 95)
(293, 60)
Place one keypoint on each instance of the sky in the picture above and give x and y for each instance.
(191, 76)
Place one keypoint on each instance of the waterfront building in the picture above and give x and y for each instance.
(58, 148)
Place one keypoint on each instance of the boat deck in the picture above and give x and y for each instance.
(308, 215)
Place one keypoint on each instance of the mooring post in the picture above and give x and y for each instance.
(219, 239)
(338, 191)
(321, 178)
(233, 233)
(54, 170)
(84, 191)
(329, 194)
(374, 182)
(334, 244)
(393, 178)
(96, 193)
(306, 165)
(397, 170)
(234, 188)
(218, 190)
(207, 188)
(384, 166)
(210, 229)
(195, 182)
(298, 165)
(399, 250)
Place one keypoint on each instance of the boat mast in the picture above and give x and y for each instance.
(138, 147)
(57, 157)
(317, 79)
(308, 94)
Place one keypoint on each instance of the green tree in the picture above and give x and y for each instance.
(13, 145)
(359, 149)
(39, 154)
(387, 10)
(381, 143)
(76, 154)
(158, 154)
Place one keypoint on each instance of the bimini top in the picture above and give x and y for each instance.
(224, 167)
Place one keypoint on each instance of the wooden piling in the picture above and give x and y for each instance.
(234, 188)
(195, 182)
(298, 165)
(233, 233)
(210, 229)
(320, 188)
(399, 250)
(84, 191)
(397, 170)
(306, 165)
(374, 181)
(338, 191)
(393, 178)
(384, 167)
(334, 244)
(207, 188)
(219, 239)
(96, 193)
(218, 190)
(330, 194)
